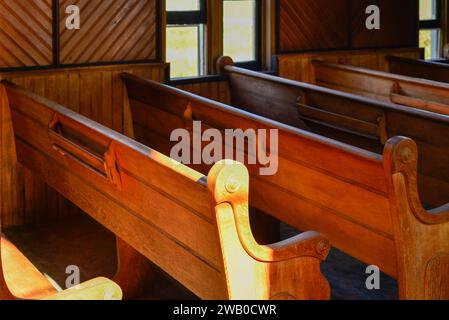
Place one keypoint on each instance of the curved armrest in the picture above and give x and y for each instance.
(305, 244)
(442, 213)
(96, 289)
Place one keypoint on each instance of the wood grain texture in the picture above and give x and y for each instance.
(333, 116)
(113, 30)
(19, 278)
(96, 92)
(376, 216)
(295, 194)
(299, 67)
(306, 25)
(195, 228)
(399, 24)
(409, 66)
(368, 204)
(312, 25)
(413, 92)
(215, 90)
(25, 33)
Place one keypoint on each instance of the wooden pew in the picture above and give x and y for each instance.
(366, 203)
(19, 278)
(436, 71)
(195, 228)
(356, 120)
(417, 93)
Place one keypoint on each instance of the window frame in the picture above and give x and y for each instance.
(176, 19)
(434, 24)
(211, 17)
(256, 64)
(188, 17)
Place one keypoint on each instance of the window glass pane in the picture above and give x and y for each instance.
(183, 48)
(183, 5)
(427, 9)
(430, 40)
(239, 26)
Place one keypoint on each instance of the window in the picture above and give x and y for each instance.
(197, 35)
(430, 27)
(186, 21)
(241, 32)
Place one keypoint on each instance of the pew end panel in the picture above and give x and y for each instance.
(369, 218)
(19, 278)
(285, 270)
(421, 237)
(134, 191)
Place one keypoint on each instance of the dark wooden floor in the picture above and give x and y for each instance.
(82, 242)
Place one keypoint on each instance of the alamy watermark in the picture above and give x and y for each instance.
(250, 147)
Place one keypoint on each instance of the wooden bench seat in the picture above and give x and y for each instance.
(360, 121)
(423, 69)
(384, 86)
(367, 203)
(19, 278)
(195, 228)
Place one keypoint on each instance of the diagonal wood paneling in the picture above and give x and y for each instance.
(313, 24)
(112, 30)
(399, 24)
(25, 33)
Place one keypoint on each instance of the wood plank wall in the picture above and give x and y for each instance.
(214, 90)
(25, 33)
(310, 25)
(118, 30)
(110, 31)
(96, 92)
(298, 66)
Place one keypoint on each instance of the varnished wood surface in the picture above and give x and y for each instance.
(95, 92)
(140, 201)
(215, 90)
(389, 87)
(345, 116)
(306, 25)
(111, 31)
(19, 278)
(376, 237)
(419, 68)
(26, 33)
(313, 25)
(299, 66)
(399, 24)
(293, 194)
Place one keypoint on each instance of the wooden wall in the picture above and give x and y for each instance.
(118, 30)
(399, 24)
(312, 25)
(25, 33)
(96, 92)
(298, 66)
(110, 31)
(217, 90)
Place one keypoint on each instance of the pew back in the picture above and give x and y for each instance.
(134, 191)
(359, 121)
(423, 69)
(366, 203)
(317, 179)
(189, 225)
(388, 87)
